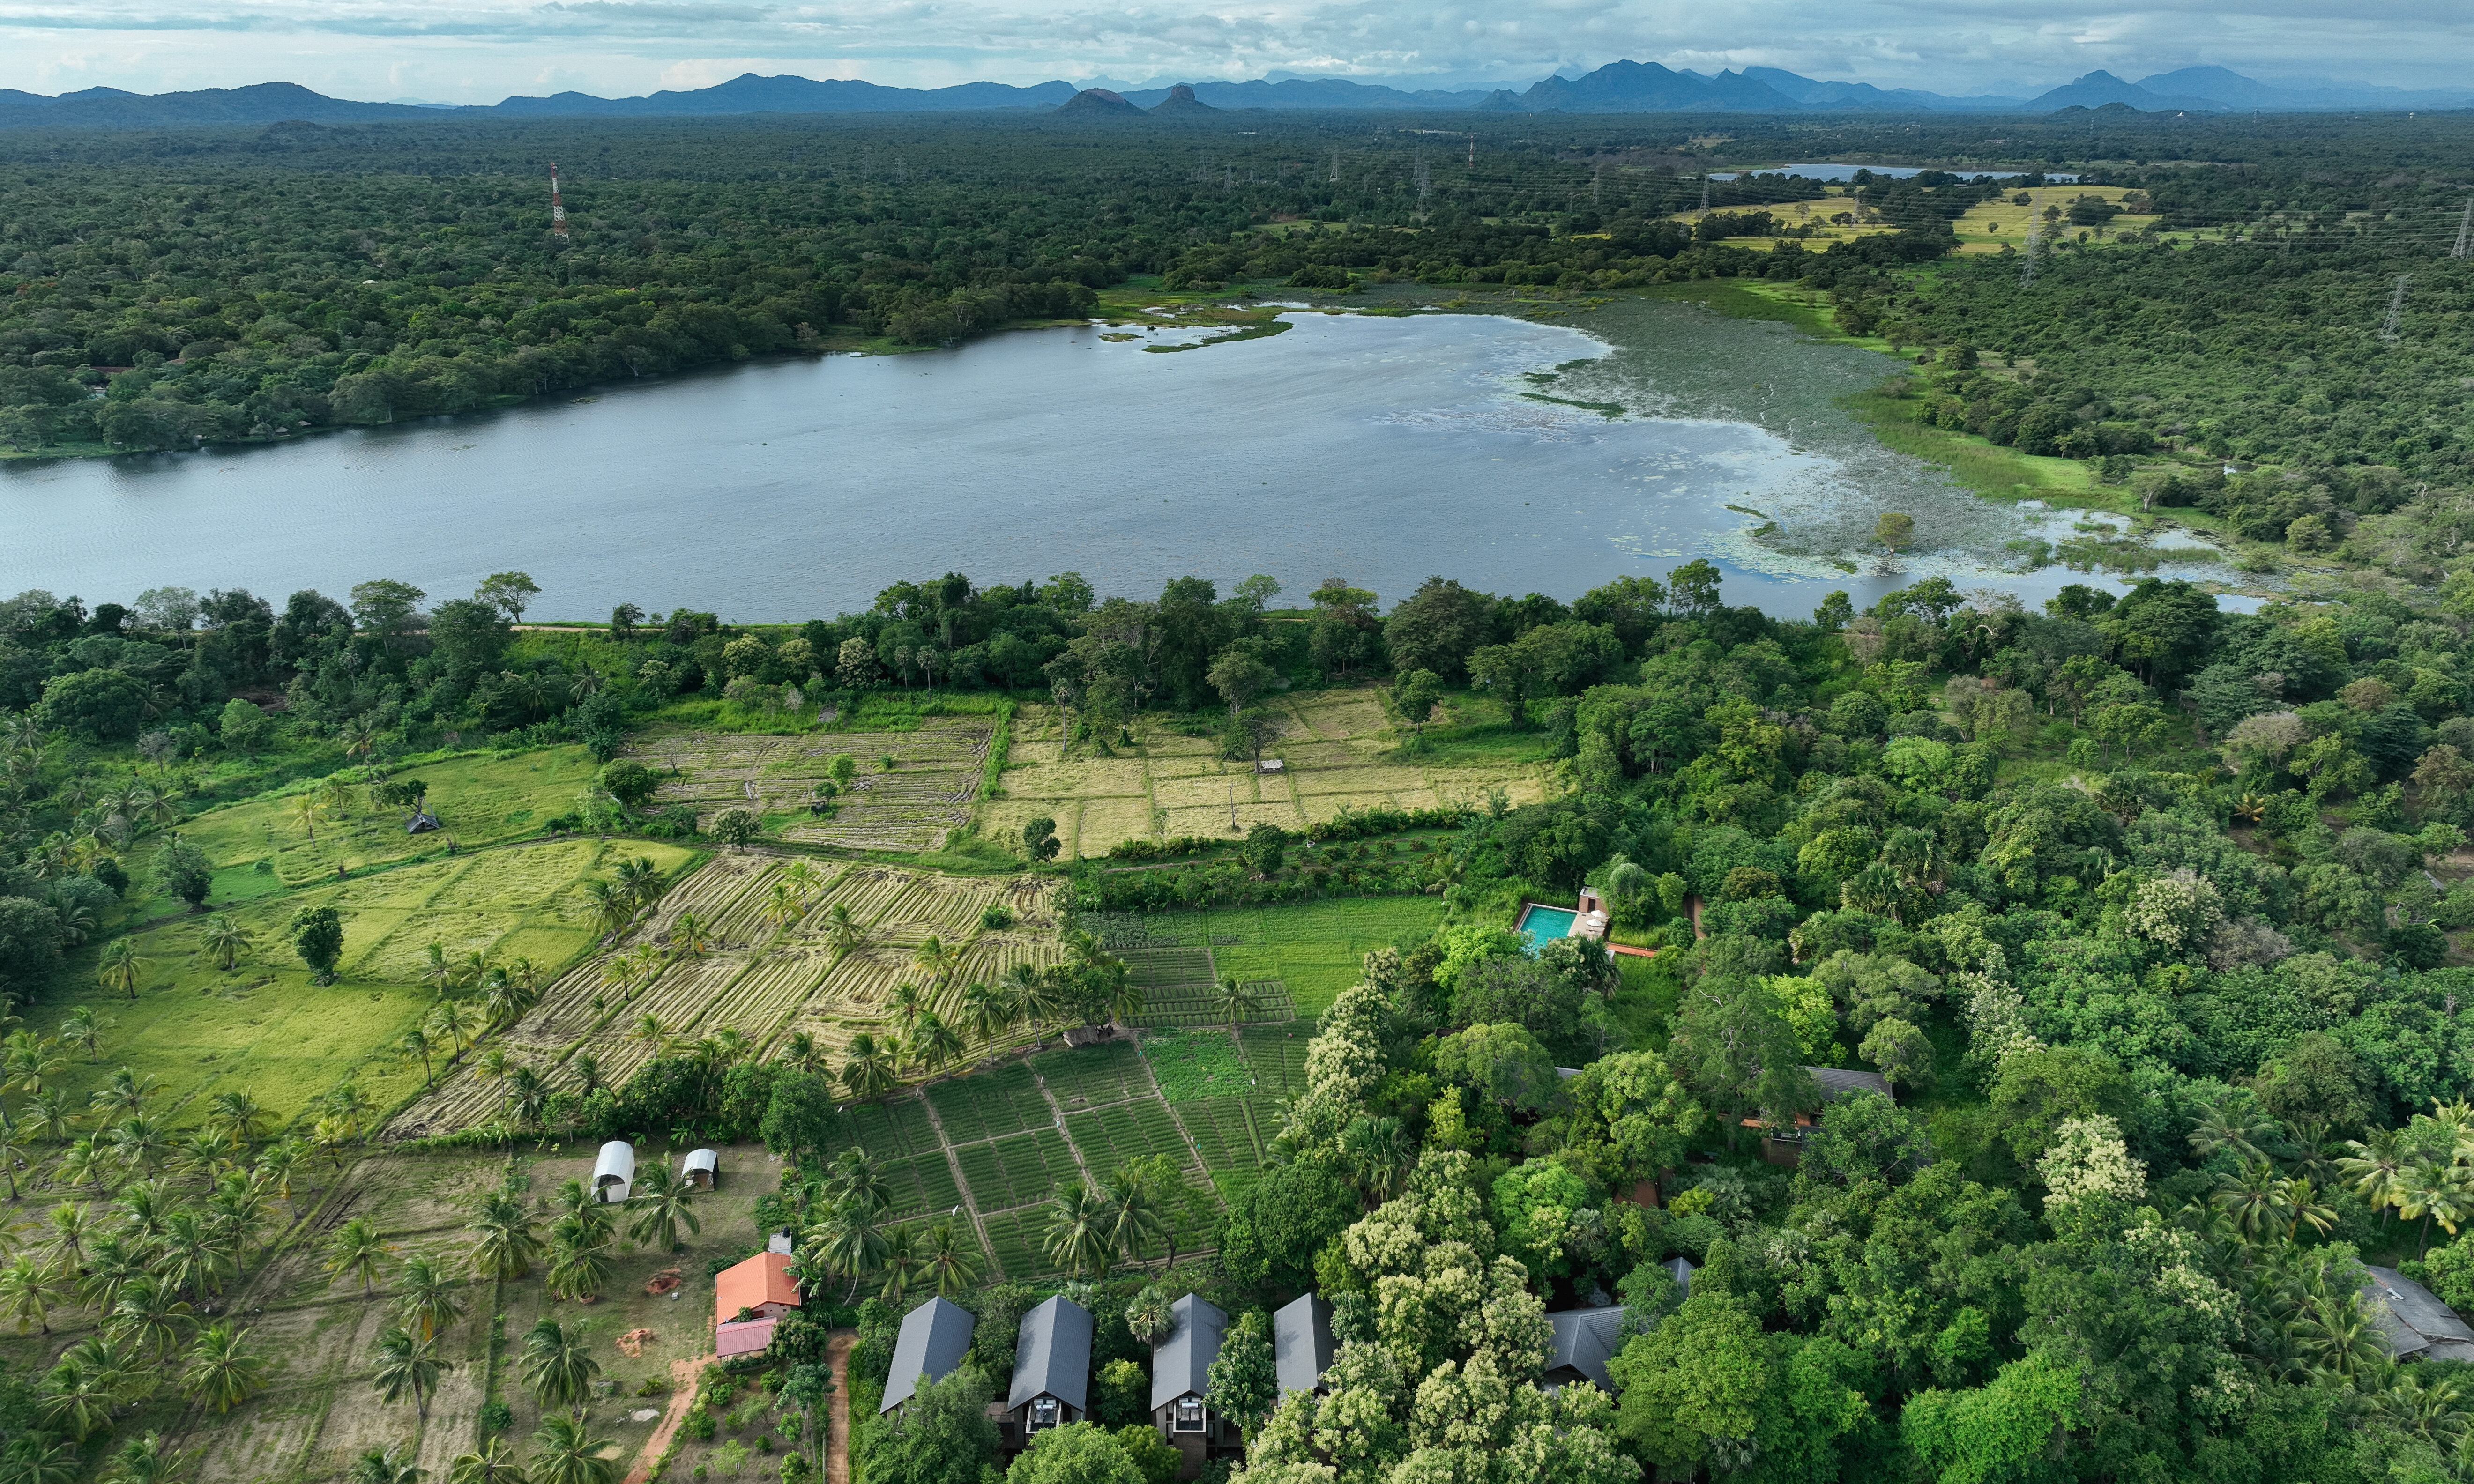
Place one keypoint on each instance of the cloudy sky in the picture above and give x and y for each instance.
(479, 51)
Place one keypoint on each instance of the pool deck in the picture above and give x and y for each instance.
(1586, 919)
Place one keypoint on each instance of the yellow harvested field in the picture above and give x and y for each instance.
(762, 980)
(1338, 749)
(911, 807)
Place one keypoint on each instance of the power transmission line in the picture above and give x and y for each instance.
(2396, 309)
(2464, 231)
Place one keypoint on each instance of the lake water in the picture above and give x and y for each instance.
(1377, 450)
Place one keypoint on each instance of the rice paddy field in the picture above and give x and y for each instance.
(262, 1025)
(265, 845)
(765, 978)
(991, 1146)
(1338, 749)
(911, 806)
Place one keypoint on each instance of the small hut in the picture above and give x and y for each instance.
(422, 822)
(701, 1171)
(614, 1173)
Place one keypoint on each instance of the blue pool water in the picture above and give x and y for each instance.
(1539, 925)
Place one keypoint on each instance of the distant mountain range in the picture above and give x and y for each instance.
(1617, 88)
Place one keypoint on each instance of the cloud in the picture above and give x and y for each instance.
(489, 48)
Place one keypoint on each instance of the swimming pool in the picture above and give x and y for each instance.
(1537, 924)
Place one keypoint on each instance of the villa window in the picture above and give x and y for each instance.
(1189, 1414)
(1043, 1412)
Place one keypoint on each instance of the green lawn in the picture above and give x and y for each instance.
(1316, 949)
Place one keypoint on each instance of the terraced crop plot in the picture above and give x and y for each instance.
(1224, 1130)
(1126, 1132)
(1020, 1169)
(1338, 748)
(910, 808)
(989, 1104)
(1195, 1065)
(1277, 1054)
(759, 975)
(1090, 1076)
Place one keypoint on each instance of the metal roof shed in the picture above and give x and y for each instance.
(935, 1338)
(701, 1170)
(1302, 1345)
(1053, 1356)
(1584, 1338)
(1181, 1363)
(2412, 1322)
(614, 1173)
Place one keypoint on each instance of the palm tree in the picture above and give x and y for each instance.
(640, 881)
(1134, 1215)
(89, 1384)
(437, 969)
(26, 1059)
(222, 1372)
(192, 1256)
(508, 1240)
(137, 1142)
(851, 1244)
(494, 1463)
(2253, 1197)
(868, 1069)
(1378, 1154)
(226, 940)
(2435, 1192)
(690, 936)
(579, 1257)
(1148, 1317)
(784, 907)
(119, 968)
(147, 1461)
(987, 1012)
(70, 1224)
(49, 1113)
(933, 1043)
(664, 1201)
(906, 1005)
(936, 956)
(843, 932)
(27, 1292)
(854, 1178)
(150, 1317)
(1038, 995)
(557, 1368)
(126, 1091)
(238, 1117)
(588, 1073)
(1235, 1001)
(566, 1453)
(408, 1366)
(648, 1032)
(904, 1264)
(453, 1020)
(40, 1461)
(277, 1164)
(801, 1053)
(1079, 1230)
(425, 1298)
(12, 1152)
(414, 1046)
(384, 1466)
(492, 1067)
(951, 1260)
(612, 911)
(306, 809)
(2302, 1204)
(2376, 1168)
(84, 1029)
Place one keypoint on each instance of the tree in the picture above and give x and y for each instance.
(1415, 695)
(425, 1299)
(225, 941)
(1080, 1230)
(244, 727)
(738, 826)
(407, 1366)
(356, 1250)
(556, 1366)
(1039, 840)
(1147, 1318)
(807, 1391)
(1245, 1382)
(1275, 1226)
(506, 1236)
(800, 1117)
(510, 592)
(184, 870)
(146, 1460)
(384, 1466)
(1075, 1454)
(27, 1292)
(1901, 1052)
(1504, 1063)
(1894, 533)
(222, 1372)
(120, 967)
(950, 1260)
(2010, 1428)
(945, 1436)
(1240, 679)
(664, 1203)
(318, 937)
(564, 1451)
(1435, 628)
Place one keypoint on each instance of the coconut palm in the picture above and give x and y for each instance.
(193, 1256)
(48, 1114)
(612, 911)
(579, 1257)
(150, 1317)
(566, 1453)
(867, 1067)
(27, 1058)
(415, 1045)
(222, 1372)
(690, 936)
(226, 940)
(950, 1260)
(1040, 994)
(556, 1366)
(801, 1053)
(90, 1383)
(662, 1201)
(855, 1178)
(783, 906)
(1134, 1215)
(356, 1250)
(905, 1263)
(2432, 1191)
(126, 1091)
(83, 1163)
(494, 1463)
(147, 1460)
(407, 1366)
(588, 1073)
(933, 1044)
(27, 1290)
(277, 1164)
(906, 1005)
(2376, 1168)
(427, 1301)
(84, 1029)
(437, 967)
(120, 967)
(851, 1244)
(304, 808)
(384, 1466)
(640, 881)
(70, 1224)
(452, 1020)
(987, 1012)
(239, 1117)
(137, 1142)
(13, 1149)
(1235, 1001)
(507, 1239)
(937, 957)
(648, 1032)
(1079, 1237)
(39, 1460)
(844, 933)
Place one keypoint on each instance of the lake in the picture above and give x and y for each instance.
(1379, 450)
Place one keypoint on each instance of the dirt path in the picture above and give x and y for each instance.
(838, 1448)
(683, 1383)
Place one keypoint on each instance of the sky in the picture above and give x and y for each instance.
(479, 51)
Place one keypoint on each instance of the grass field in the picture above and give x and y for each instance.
(263, 1026)
(1988, 228)
(911, 806)
(482, 798)
(1339, 748)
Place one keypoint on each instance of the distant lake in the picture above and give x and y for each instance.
(1379, 450)
(1842, 173)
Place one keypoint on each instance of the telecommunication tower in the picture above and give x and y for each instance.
(557, 208)
(2464, 231)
